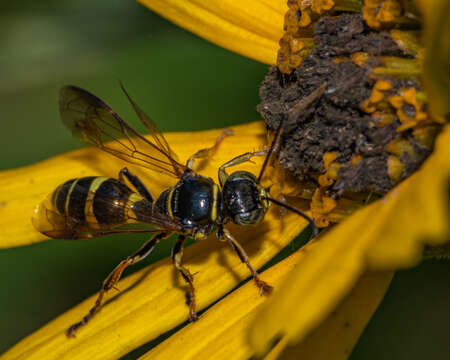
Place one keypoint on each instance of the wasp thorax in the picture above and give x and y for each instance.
(244, 199)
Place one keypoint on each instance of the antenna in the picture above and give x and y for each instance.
(273, 147)
(297, 211)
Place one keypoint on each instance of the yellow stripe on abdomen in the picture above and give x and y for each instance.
(67, 203)
(89, 208)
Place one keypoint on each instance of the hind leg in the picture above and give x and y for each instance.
(136, 182)
(114, 277)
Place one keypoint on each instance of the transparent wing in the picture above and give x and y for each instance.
(152, 128)
(69, 224)
(92, 121)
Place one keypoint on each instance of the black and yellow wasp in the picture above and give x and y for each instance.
(195, 206)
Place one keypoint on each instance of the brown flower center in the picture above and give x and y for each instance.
(352, 100)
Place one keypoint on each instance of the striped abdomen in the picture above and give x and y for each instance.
(95, 202)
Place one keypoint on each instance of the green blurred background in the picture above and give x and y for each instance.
(184, 83)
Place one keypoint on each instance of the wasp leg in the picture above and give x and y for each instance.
(177, 256)
(264, 288)
(208, 152)
(136, 182)
(114, 277)
(236, 161)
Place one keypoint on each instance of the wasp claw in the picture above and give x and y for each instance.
(70, 332)
(193, 317)
(264, 288)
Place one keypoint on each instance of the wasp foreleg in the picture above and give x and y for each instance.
(114, 277)
(264, 288)
(236, 161)
(177, 257)
(208, 152)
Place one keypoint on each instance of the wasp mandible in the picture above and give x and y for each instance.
(194, 207)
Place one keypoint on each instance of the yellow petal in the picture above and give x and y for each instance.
(413, 214)
(342, 329)
(387, 234)
(249, 27)
(221, 331)
(437, 60)
(152, 301)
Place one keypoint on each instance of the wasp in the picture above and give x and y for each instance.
(194, 207)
